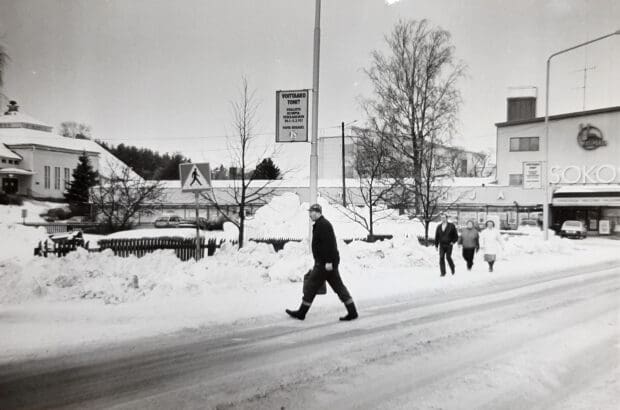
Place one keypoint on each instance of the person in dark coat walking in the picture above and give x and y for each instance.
(470, 241)
(326, 261)
(445, 237)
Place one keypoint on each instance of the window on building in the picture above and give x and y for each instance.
(46, 180)
(67, 177)
(524, 144)
(3, 161)
(515, 179)
(56, 177)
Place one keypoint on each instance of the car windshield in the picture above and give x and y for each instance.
(162, 219)
(573, 224)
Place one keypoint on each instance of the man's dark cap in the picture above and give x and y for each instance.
(316, 208)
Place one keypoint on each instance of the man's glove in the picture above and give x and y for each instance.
(329, 267)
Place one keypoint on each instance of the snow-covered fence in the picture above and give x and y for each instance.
(60, 227)
(59, 248)
(184, 248)
(277, 243)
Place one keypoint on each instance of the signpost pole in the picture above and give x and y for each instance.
(314, 159)
(196, 194)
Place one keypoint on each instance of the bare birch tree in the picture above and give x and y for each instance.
(245, 190)
(373, 166)
(415, 95)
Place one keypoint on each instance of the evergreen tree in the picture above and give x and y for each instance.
(149, 164)
(266, 169)
(83, 178)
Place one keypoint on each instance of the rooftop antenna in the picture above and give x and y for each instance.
(585, 70)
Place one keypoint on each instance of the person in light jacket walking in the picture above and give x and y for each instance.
(445, 237)
(491, 242)
(470, 241)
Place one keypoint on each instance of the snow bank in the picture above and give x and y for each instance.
(114, 280)
(18, 241)
(13, 213)
(285, 216)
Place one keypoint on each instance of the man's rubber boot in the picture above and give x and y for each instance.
(299, 314)
(351, 313)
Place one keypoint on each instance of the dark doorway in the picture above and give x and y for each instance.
(9, 185)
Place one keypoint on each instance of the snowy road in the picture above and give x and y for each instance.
(551, 343)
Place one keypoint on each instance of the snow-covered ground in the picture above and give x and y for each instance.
(50, 305)
(13, 213)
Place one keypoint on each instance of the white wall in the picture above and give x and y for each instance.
(36, 159)
(567, 158)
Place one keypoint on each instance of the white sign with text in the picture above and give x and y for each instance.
(292, 116)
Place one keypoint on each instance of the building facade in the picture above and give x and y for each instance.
(583, 165)
(37, 163)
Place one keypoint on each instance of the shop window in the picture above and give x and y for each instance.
(56, 177)
(515, 180)
(524, 144)
(46, 180)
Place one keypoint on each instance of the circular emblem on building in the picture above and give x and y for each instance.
(590, 137)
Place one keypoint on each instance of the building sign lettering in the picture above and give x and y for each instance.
(584, 174)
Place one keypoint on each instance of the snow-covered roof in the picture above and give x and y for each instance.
(280, 183)
(16, 171)
(467, 181)
(7, 153)
(15, 137)
(21, 120)
(578, 189)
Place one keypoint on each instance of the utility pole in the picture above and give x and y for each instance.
(344, 186)
(314, 158)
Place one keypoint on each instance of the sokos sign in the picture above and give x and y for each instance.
(586, 174)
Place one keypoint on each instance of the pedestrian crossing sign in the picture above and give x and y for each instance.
(195, 177)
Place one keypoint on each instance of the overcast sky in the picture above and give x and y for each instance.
(162, 73)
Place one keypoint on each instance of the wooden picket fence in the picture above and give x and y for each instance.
(184, 248)
(61, 248)
(54, 227)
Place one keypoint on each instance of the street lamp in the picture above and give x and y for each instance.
(344, 187)
(546, 202)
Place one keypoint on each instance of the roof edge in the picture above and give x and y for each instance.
(559, 116)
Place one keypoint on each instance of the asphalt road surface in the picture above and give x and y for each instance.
(546, 343)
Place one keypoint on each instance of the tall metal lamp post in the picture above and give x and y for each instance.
(546, 202)
(344, 186)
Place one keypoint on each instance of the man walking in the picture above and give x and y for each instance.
(445, 237)
(326, 260)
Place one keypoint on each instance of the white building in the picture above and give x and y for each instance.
(583, 164)
(37, 163)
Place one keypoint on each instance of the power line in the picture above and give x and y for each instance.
(196, 138)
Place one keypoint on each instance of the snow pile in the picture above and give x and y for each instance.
(18, 241)
(286, 217)
(535, 244)
(13, 213)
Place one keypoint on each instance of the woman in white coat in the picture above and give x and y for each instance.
(491, 242)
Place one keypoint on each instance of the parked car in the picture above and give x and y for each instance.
(528, 222)
(203, 223)
(573, 229)
(167, 221)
